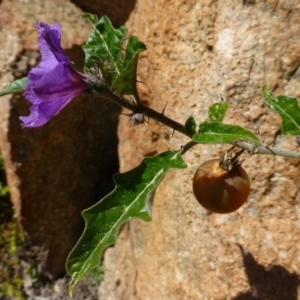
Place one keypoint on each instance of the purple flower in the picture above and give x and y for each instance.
(54, 83)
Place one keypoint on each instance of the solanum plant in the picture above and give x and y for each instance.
(110, 71)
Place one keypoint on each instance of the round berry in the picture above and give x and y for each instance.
(218, 190)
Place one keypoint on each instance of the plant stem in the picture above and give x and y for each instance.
(160, 117)
(187, 147)
(141, 108)
(262, 149)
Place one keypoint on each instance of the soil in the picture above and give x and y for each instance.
(35, 283)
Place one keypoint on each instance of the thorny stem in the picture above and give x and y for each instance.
(151, 113)
(160, 117)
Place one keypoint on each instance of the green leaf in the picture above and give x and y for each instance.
(104, 50)
(91, 17)
(104, 44)
(287, 108)
(219, 133)
(216, 112)
(190, 126)
(15, 87)
(131, 198)
(125, 83)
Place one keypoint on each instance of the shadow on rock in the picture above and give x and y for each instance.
(62, 168)
(117, 11)
(275, 283)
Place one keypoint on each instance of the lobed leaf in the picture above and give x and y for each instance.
(91, 17)
(288, 109)
(126, 81)
(104, 50)
(219, 133)
(15, 87)
(104, 44)
(131, 198)
(216, 112)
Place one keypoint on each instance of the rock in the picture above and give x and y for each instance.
(197, 50)
(117, 11)
(55, 171)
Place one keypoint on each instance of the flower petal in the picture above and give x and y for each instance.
(49, 43)
(54, 83)
(51, 93)
(63, 81)
(51, 50)
(42, 112)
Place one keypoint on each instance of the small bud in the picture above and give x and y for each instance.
(137, 118)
